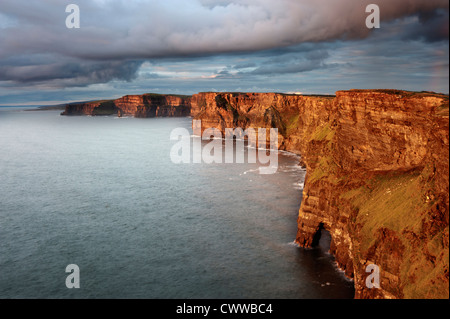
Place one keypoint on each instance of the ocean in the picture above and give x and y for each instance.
(102, 193)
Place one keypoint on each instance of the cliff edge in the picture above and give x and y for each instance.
(146, 105)
(377, 173)
(377, 179)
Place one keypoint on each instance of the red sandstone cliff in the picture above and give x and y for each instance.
(377, 177)
(153, 105)
(106, 107)
(147, 105)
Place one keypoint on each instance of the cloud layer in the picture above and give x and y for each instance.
(117, 36)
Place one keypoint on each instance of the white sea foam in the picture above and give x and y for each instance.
(290, 154)
(249, 171)
(292, 168)
(341, 272)
(293, 243)
(326, 284)
(299, 185)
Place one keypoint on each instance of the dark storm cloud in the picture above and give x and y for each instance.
(286, 64)
(151, 29)
(244, 65)
(271, 37)
(66, 73)
(432, 27)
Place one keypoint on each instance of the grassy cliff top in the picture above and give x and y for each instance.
(401, 92)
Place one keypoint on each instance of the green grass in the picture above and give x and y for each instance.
(162, 95)
(392, 202)
(325, 168)
(101, 101)
(402, 93)
(424, 279)
(323, 133)
(442, 110)
(399, 202)
(292, 123)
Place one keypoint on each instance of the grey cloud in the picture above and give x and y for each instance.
(153, 29)
(287, 64)
(298, 67)
(432, 27)
(287, 36)
(68, 72)
(244, 65)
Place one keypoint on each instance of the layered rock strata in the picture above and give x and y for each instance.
(377, 173)
(147, 105)
(377, 178)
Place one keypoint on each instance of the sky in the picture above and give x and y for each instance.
(188, 46)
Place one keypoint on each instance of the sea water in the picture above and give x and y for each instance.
(102, 193)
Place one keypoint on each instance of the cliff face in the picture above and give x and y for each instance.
(91, 108)
(380, 185)
(378, 173)
(294, 116)
(153, 105)
(147, 105)
(377, 178)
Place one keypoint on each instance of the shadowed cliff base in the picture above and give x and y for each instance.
(147, 105)
(377, 180)
(321, 238)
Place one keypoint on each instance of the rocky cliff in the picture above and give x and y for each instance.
(377, 179)
(147, 105)
(377, 173)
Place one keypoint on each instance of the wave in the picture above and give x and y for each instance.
(293, 243)
(249, 171)
(292, 168)
(258, 170)
(263, 149)
(299, 185)
(341, 272)
(290, 154)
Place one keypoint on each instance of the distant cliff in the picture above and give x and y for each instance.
(377, 178)
(147, 105)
